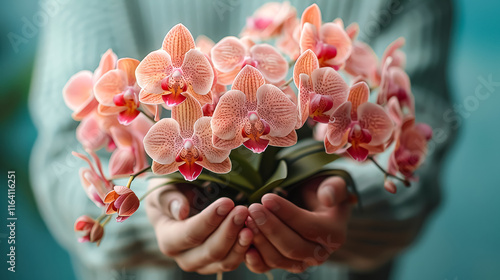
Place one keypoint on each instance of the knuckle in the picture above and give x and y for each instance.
(186, 267)
(167, 251)
(293, 254)
(229, 266)
(276, 262)
(215, 255)
(193, 239)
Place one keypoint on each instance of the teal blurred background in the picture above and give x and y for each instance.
(462, 238)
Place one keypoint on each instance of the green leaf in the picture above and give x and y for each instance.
(243, 168)
(274, 181)
(307, 165)
(300, 149)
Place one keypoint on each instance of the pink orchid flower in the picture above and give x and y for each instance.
(169, 74)
(396, 83)
(410, 149)
(184, 143)
(95, 184)
(328, 41)
(288, 41)
(254, 114)
(363, 62)
(205, 45)
(321, 90)
(231, 54)
(117, 91)
(122, 200)
(78, 93)
(268, 20)
(364, 125)
(93, 131)
(91, 229)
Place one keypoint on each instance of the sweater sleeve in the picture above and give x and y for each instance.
(74, 38)
(388, 223)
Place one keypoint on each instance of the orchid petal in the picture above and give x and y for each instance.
(202, 140)
(177, 43)
(328, 82)
(358, 153)
(78, 90)
(339, 123)
(304, 99)
(109, 110)
(204, 44)
(312, 15)
(150, 98)
(198, 72)
(248, 81)
(374, 118)
(186, 114)
(128, 66)
(286, 141)
(163, 141)
(274, 107)
(256, 145)
(85, 110)
(109, 85)
(127, 116)
(330, 148)
(228, 144)
(228, 54)
(229, 115)
(333, 34)
(352, 30)
(90, 134)
(190, 170)
(152, 69)
(227, 78)
(270, 62)
(122, 137)
(358, 94)
(107, 63)
(220, 168)
(122, 162)
(163, 169)
(129, 205)
(391, 50)
(305, 64)
(308, 37)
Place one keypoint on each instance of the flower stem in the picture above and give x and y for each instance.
(108, 218)
(387, 174)
(150, 191)
(291, 63)
(286, 83)
(148, 116)
(219, 275)
(132, 177)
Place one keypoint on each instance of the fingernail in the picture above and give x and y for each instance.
(239, 219)
(252, 260)
(271, 204)
(244, 241)
(259, 217)
(223, 210)
(251, 225)
(175, 208)
(328, 193)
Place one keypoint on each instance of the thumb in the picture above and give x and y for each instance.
(332, 191)
(174, 204)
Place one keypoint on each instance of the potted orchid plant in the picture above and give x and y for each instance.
(235, 119)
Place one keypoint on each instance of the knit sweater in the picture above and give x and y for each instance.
(79, 32)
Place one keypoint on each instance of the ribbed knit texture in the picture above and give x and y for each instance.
(81, 31)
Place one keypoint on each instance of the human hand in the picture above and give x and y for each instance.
(207, 242)
(293, 238)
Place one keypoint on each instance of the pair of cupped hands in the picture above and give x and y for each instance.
(275, 233)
